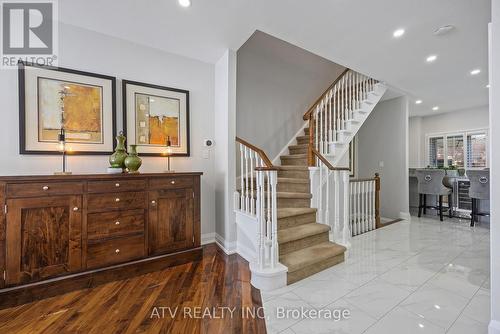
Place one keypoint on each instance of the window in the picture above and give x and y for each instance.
(466, 149)
(436, 152)
(476, 150)
(455, 150)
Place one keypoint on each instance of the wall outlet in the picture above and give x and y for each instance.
(381, 164)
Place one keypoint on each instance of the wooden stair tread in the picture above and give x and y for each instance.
(298, 146)
(291, 212)
(292, 167)
(292, 180)
(294, 156)
(284, 194)
(311, 255)
(301, 232)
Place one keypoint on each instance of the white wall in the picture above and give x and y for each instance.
(276, 83)
(469, 119)
(93, 52)
(494, 67)
(225, 164)
(383, 140)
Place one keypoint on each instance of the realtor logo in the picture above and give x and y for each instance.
(28, 32)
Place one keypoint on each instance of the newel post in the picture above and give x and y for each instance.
(377, 201)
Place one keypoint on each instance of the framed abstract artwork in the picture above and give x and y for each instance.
(154, 115)
(54, 99)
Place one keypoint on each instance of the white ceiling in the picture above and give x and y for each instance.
(354, 33)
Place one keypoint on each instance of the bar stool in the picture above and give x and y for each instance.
(430, 182)
(479, 190)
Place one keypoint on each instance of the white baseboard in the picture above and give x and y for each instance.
(227, 247)
(207, 238)
(405, 215)
(494, 327)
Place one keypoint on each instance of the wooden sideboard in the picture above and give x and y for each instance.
(61, 233)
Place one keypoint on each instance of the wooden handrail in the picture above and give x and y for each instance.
(326, 162)
(261, 153)
(307, 115)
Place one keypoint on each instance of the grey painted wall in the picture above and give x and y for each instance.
(124, 60)
(382, 148)
(276, 84)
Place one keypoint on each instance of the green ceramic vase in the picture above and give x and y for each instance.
(117, 159)
(133, 162)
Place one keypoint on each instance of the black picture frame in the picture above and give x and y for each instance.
(154, 86)
(22, 108)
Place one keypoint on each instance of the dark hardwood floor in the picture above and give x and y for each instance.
(213, 295)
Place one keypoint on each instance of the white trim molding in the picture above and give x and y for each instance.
(494, 327)
(207, 238)
(227, 247)
(405, 216)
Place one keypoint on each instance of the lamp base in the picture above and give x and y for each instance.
(62, 173)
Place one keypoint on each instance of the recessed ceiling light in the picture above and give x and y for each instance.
(398, 33)
(418, 102)
(435, 108)
(444, 30)
(475, 72)
(431, 58)
(421, 325)
(185, 3)
(488, 86)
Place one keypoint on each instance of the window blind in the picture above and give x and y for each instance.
(476, 150)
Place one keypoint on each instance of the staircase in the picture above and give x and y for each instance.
(296, 216)
(304, 245)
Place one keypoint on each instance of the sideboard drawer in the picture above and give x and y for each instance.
(43, 189)
(114, 186)
(115, 223)
(116, 201)
(171, 182)
(100, 254)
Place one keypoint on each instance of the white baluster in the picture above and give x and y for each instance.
(327, 198)
(242, 180)
(261, 218)
(247, 196)
(252, 171)
(346, 233)
(336, 206)
(351, 213)
(316, 127)
(274, 218)
(320, 192)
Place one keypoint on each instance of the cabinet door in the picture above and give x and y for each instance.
(170, 226)
(43, 237)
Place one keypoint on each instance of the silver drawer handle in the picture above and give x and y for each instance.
(117, 251)
(173, 182)
(117, 199)
(75, 208)
(483, 179)
(45, 187)
(117, 223)
(117, 185)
